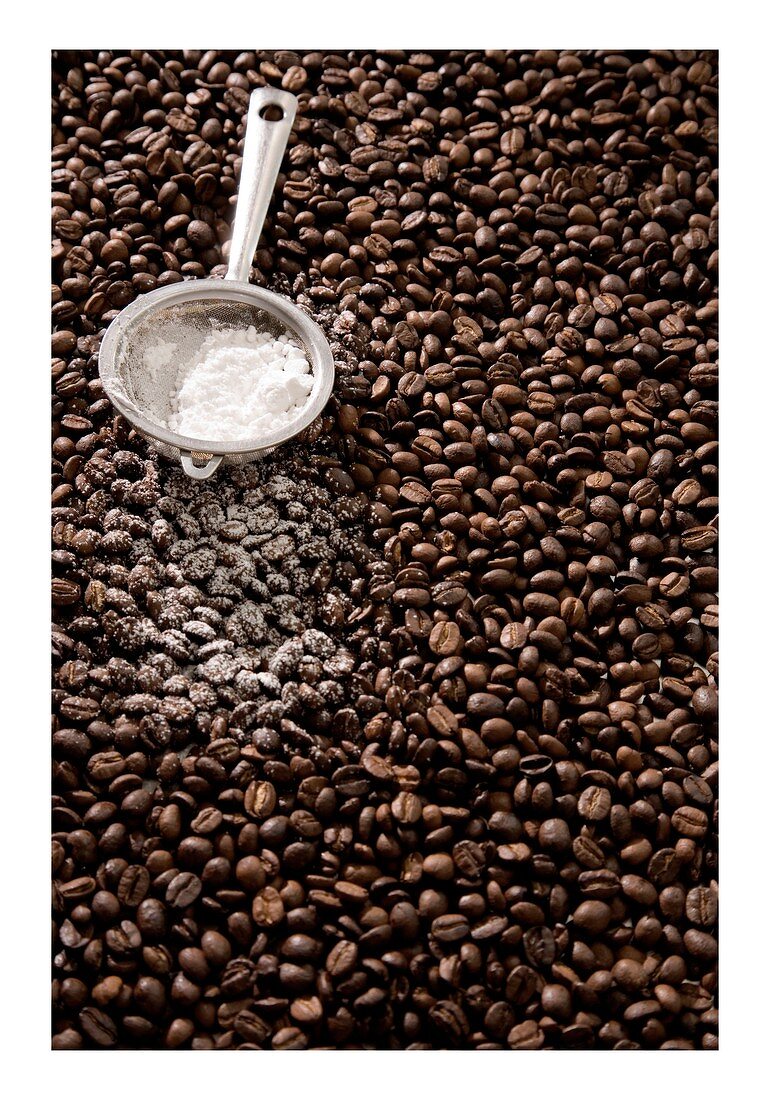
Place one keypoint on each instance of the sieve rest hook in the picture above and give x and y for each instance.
(199, 472)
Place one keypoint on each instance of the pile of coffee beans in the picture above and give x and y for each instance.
(407, 739)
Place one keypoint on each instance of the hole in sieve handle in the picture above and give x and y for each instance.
(271, 112)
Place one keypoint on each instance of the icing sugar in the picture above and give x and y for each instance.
(240, 384)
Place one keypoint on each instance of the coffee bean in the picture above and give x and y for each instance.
(99, 1027)
(251, 1027)
(594, 803)
(133, 886)
(260, 799)
(540, 947)
(554, 835)
(450, 927)
(450, 1020)
(342, 958)
(690, 821)
(701, 907)
(183, 889)
(664, 866)
(445, 639)
(593, 916)
(526, 1036)
(700, 944)
(407, 808)
(268, 908)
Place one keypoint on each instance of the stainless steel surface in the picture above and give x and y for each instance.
(181, 315)
(263, 149)
(200, 466)
(144, 399)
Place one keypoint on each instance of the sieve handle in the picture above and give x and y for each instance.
(263, 149)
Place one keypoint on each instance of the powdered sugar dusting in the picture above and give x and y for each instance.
(248, 598)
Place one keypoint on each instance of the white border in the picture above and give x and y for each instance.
(24, 1019)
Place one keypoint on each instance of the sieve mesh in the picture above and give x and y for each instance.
(176, 332)
(181, 317)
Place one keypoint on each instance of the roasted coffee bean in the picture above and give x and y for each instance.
(99, 1027)
(133, 886)
(594, 803)
(268, 907)
(259, 800)
(342, 958)
(183, 889)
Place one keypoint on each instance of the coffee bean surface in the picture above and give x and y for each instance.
(405, 738)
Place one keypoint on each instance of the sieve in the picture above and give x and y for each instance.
(179, 317)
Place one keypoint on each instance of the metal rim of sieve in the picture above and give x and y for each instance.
(291, 317)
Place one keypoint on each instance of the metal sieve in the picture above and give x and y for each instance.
(179, 317)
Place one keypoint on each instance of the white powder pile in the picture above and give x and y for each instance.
(240, 384)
